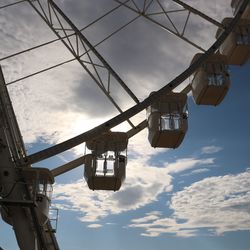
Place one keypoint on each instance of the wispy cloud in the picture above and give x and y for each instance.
(211, 149)
(187, 163)
(149, 217)
(144, 183)
(197, 171)
(94, 226)
(219, 204)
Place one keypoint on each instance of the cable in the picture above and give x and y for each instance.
(41, 71)
(11, 4)
(32, 48)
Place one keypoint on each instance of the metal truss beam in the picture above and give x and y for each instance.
(58, 39)
(199, 13)
(64, 62)
(16, 198)
(11, 4)
(164, 13)
(82, 50)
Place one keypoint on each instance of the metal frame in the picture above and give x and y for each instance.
(13, 152)
(61, 25)
(164, 14)
(61, 147)
(125, 3)
(81, 48)
(18, 200)
(71, 39)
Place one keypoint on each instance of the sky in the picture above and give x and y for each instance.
(194, 197)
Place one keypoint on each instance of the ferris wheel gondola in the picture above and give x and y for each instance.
(211, 81)
(237, 45)
(105, 167)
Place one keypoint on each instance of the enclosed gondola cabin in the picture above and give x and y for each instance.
(105, 173)
(105, 167)
(237, 45)
(167, 120)
(235, 4)
(211, 80)
(39, 181)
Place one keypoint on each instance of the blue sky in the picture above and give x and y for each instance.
(194, 197)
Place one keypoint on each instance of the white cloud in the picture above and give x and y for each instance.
(149, 217)
(200, 170)
(142, 186)
(211, 149)
(94, 226)
(144, 183)
(187, 163)
(219, 204)
(197, 171)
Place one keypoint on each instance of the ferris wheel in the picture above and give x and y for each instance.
(26, 190)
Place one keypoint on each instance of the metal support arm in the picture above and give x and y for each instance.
(95, 64)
